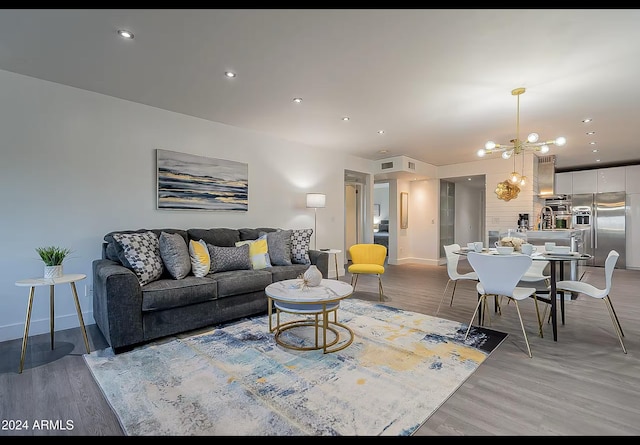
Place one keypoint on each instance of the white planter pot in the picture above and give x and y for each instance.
(53, 271)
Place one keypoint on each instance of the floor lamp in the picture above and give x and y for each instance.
(315, 201)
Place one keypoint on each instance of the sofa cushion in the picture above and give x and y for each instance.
(175, 255)
(169, 293)
(216, 236)
(238, 282)
(279, 273)
(229, 258)
(279, 243)
(300, 240)
(251, 234)
(258, 252)
(142, 253)
(199, 256)
(114, 252)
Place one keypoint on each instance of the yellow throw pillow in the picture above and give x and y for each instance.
(258, 252)
(200, 261)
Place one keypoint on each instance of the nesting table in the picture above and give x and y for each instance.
(319, 301)
(32, 283)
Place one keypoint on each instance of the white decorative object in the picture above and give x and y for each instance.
(312, 276)
(53, 271)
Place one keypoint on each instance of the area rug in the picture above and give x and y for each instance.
(236, 380)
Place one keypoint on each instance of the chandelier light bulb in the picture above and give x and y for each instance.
(490, 145)
(544, 149)
(523, 181)
(514, 178)
(533, 137)
(560, 141)
(507, 154)
(482, 152)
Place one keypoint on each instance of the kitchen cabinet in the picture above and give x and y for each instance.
(632, 179)
(633, 231)
(585, 181)
(563, 183)
(611, 179)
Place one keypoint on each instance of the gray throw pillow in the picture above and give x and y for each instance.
(279, 247)
(142, 252)
(229, 258)
(300, 240)
(175, 255)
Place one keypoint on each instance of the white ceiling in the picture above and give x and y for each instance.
(437, 81)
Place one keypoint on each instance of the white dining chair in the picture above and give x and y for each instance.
(499, 275)
(452, 271)
(602, 294)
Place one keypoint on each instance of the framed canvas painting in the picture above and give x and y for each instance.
(191, 182)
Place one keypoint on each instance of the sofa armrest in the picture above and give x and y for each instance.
(117, 303)
(321, 260)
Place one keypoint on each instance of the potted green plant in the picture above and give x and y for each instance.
(53, 257)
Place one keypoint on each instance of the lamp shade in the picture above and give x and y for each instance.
(316, 200)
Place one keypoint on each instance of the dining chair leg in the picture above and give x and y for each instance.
(526, 339)
(443, 294)
(380, 290)
(480, 301)
(615, 315)
(535, 299)
(354, 281)
(616, 323)
(486, 310)
(455, 283)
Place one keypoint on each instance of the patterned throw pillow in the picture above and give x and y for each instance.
(279, 247)
(258, 252)
(229, 258)
(175, 254)
(300, 240)
(142, 251)
(199, 255)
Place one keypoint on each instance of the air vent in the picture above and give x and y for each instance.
(546, 175)
(386, 165)
(412, 165)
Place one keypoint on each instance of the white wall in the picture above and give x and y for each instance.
(76, 165)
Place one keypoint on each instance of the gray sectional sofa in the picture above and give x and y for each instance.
(129, 313)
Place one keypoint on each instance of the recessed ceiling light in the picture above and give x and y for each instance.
(125, 34)
(587, 120)
(590, 133)
(595, 150)
(597, 160)
(468, 179)
(230, 74)
(345, 118)
(380, 131)
(297, 100)
(383, 151)
(592, 143)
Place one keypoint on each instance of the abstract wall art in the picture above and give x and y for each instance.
(191, 182)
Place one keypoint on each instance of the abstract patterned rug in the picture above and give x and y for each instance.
(236, 380)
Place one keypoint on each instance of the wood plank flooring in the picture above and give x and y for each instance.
(581, 385)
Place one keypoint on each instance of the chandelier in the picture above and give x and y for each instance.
(518, 146)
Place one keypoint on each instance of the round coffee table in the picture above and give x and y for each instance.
(290, 297)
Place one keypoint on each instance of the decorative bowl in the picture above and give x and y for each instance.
(504, 250)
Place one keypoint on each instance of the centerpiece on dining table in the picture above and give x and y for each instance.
(512, 241)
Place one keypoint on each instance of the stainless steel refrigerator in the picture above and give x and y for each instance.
(602, 215)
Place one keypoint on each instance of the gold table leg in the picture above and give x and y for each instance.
(26, 329)
(51, 310)
(84, 331)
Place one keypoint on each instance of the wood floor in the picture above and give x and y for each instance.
(581, 385)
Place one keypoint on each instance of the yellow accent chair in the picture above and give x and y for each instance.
(367, 259)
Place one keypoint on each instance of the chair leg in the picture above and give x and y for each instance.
(480, 301)
(535, 299)
(526, 339)
(615, 315)
(354, 281)
(455, 283)
(443, 294)
(380, 290)
(616, 322)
